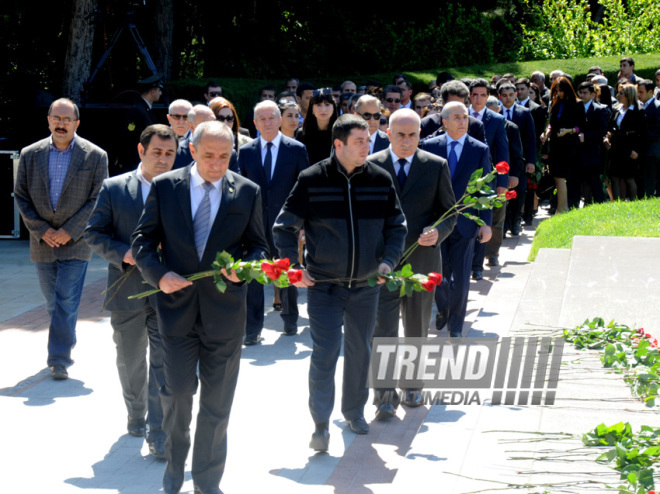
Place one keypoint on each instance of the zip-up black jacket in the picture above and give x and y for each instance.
(352, 222)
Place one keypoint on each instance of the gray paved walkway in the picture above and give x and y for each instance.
(65, 437)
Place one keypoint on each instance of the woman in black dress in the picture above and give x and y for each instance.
(316, 132)
(566, 119)
(626, 137)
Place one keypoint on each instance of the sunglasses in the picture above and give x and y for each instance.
(322, 92)
(228, 118)
(179, 117)
(369, 116)
(393, 100)
(383, 121)
(215, 93)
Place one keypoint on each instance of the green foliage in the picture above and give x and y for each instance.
(567, 28)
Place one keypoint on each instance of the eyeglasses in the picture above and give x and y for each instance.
(60, 120)
(179, 117)
(322, 92)
(215, 93)
(383, 121)
(393, 100)
(221, 118)
(286, 102)
(369, 116)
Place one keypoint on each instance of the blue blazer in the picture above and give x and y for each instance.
(291, 160)
(474, 155)
(382, 141)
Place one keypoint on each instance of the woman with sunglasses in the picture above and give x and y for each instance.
(316, 132)
(225, 112)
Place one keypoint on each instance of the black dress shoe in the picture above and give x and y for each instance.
(413, 398)
(320, 440)
(252, 339)
(515, 230)
(58, 372)
(477, 275)
(136, 427)
(455, 334)
(157, 447)
(440, 321)
(385, 411)
(290, 329)
(172, 482)
(358, 425)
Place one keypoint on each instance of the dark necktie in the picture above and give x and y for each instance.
(201, 223)
(508, 114)
(268, 162)
(402, 173)
(453, 158)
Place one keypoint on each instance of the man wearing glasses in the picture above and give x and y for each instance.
(368, 107)
(177, 116)
(57, 184)
(212, 90)
(392, 96)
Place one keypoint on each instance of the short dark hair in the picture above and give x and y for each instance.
(267, 88)
(595, 68)
(453, 88)
(293, 79)
(443, 77)
(479, 83)
(76, 111)
(305, 86)
(210, 85)
(649, 85)
(398, 76)
(392, 89)
(523, 80)
(629, 60)
(506, 85)
(345, 124)
(162, 131)
(587, 85)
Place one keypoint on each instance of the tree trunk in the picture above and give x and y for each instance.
(164, 17)
(78, 60)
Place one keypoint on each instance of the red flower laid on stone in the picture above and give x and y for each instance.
(428, 285)
(436, 278)
(510, 194)
(295, 275)
(640, 330)
(282, 264)
(502, 167)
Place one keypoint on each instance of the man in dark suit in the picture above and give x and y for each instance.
(272, 161)
(134, 322)
(368, 107)
(464, 155)
(499, 151)
(522, 117)
(591, 143)
(192, 214)
(651, 151)
(431, 126)
(57, 183)
(423, 185)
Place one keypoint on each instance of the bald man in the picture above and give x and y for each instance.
(423, 184)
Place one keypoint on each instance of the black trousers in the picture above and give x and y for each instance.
(219, 361)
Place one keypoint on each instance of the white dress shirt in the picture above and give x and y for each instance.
(273, 151)
(197, 193)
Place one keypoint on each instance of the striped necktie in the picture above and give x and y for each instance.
(201, 223)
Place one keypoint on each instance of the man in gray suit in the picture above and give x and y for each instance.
(57, 183)
(191, 214)
(134, 322)
(423, 184)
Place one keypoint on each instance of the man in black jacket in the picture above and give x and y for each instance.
(354, 228)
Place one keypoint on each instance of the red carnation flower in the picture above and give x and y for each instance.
(428, 285)
(282, 264)
(502, 167)
(510, 194)
(436, 278)
(295, 275)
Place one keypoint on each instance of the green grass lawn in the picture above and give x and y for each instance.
(613, 219)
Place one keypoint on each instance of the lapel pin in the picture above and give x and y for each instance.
(231, 190)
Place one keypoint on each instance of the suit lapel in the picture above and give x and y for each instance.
(42, 168)
(282, 159)
(228, 195)
(135, 192)
(182, 190)
(389, 168)
(77, 159)
(415, 175)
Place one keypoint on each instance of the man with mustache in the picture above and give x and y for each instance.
(57, 184)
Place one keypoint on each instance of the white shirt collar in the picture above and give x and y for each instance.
(276, 140)
(198, 181)
(480, 112)
(395, 158)
(148, 104)
(524, 102)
